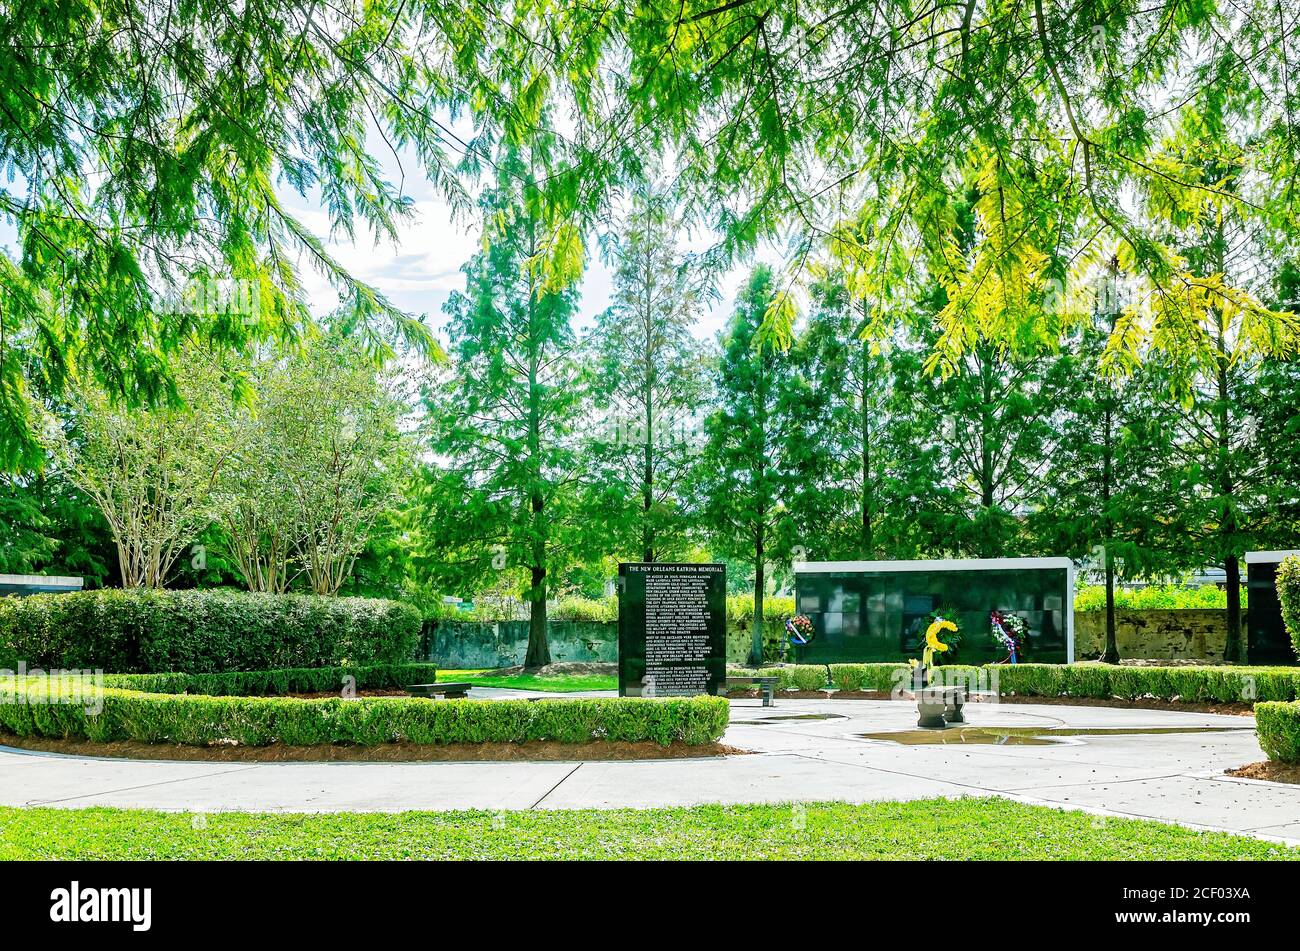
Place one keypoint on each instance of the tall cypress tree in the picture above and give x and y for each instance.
(649, 380)
(756, 453)
(501, 423)
(849, 507)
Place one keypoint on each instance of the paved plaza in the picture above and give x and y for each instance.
(798, 750)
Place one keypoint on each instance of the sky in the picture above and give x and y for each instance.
(419, 270)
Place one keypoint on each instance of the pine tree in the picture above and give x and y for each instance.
(1103, 494)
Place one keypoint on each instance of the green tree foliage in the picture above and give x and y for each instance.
(984, 439)
(314, 468)
(854, 123)
(649, 377)
(146, 146)
(48, 526)
(755, 456)
(503, 490)
(853, 506)
(1216, 469)
(1104, 497)
(152, 472)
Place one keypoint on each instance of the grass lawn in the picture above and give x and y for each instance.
(558, 683)
(936, 828)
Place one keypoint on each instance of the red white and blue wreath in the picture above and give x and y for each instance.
(800, 630)
(1009, 630)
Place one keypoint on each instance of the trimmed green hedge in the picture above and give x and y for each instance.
(1288, 594)
(261, 683)
(261, 721)
(203, 631)
(1278, 725)
(806, 677)
(1192, 684)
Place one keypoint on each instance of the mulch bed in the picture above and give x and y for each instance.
(1269, 770)
(1145, 703)
(535, 751)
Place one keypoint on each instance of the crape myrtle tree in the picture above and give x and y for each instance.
(254, 500)
(756, 456)
(337, 418)
(315, 466)
(648, 379)
(151, 472)
(502, 489)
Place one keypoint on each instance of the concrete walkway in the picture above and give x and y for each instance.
(1174, 777)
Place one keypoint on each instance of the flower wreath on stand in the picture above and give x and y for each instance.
(1009, 630)
(947, 630)
(800, 630)
(941, 636)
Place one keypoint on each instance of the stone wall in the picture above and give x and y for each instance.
(1193, 634)
(471, 644)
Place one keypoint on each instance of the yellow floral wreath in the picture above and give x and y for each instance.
(932, 642)
(932, 633)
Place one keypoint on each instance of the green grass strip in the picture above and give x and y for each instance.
(557, 683)
(925, 829)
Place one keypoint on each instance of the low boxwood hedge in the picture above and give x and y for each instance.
(1278, 726)
(1190, 684)
(117, 714)
(202, 631)
(261, 683)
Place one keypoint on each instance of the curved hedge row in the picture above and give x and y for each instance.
(202, 631)
(262, 683)
(1104, 681)
(115, 714)
(1278, 726)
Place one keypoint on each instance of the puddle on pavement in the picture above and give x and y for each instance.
(793, 716)
(1028, 736)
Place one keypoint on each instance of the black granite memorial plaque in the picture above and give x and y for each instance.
(672, 629)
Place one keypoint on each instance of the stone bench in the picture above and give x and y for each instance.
(452, 691)
(939, 706)
(765, 685)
